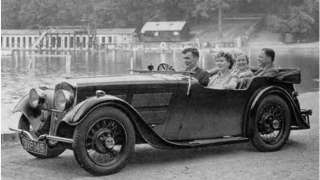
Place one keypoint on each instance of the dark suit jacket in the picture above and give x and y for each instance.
(269, 72)
(202, 76)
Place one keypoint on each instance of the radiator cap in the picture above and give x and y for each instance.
(100, 93)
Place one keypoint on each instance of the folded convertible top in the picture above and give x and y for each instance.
(289, 75)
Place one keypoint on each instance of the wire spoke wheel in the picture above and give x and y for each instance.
(104, 141)
(165, 67)
(271, 125)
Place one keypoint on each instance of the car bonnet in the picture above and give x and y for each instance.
(125, 79)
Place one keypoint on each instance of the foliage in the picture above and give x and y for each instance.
(33, 13)
(299, 17)
(301, 20)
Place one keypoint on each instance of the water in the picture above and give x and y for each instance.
(118, 62)
(18, 76)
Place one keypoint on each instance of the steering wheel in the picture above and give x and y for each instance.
(165, 67)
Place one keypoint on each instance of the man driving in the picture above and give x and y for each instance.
(191, 59)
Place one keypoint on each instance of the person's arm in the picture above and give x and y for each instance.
(213, 70)
(270, 73)
(246, 74)
(232, 83)
(204, 78)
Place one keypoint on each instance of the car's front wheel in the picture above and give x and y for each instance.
(104, 141)
(272, 124)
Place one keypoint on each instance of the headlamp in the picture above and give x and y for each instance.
(36, 97)
(63, 99)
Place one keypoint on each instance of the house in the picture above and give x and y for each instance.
(165, 31)
(116, 35)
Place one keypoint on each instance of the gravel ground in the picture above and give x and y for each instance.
(299, 159)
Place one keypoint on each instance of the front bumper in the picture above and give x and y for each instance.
(43, 137)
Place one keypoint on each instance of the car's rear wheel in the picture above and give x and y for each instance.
(104, 141)
(272, 124)
(52, 151)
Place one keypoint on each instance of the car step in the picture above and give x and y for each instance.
(218, 141)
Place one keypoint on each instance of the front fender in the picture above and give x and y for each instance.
(78, 112)
(81, 110)
(258, 96)
(24, 107)
(35, 116)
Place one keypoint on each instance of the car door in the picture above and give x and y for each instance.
(209, 113)
(153, 101)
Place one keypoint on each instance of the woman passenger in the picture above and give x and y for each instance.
(223, 79)
(242, 69)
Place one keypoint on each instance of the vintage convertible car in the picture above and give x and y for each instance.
(102, 118)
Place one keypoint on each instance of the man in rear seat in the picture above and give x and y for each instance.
(266, 63)
(266, 68)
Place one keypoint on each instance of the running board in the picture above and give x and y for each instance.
(218, 141)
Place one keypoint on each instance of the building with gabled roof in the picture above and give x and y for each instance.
(165, 31)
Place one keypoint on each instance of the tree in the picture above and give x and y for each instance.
(301, 19)
(206, 8)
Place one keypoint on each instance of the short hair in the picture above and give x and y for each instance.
(194, 51)
(269, 52)
(245, 57)
(227, 56)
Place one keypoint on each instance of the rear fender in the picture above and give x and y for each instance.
(258, 96)
(83, 109)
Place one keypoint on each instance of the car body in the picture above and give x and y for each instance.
(104, 117)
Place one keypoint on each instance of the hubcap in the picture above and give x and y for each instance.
(271, 123)
(99, 140)
(109, 142)
(275, 124)
(105, 141)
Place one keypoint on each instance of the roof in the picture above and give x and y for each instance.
(19, 32)
(68, 30)
(116, 30)
(163, 26)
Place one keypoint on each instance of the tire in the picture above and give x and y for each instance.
(272, 115)
(90, 141)
(52, 151)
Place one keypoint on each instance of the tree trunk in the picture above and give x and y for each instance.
(220, 21)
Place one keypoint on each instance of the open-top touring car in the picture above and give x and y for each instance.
(102, 118)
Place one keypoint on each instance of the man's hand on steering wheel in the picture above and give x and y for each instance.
(165, 67)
